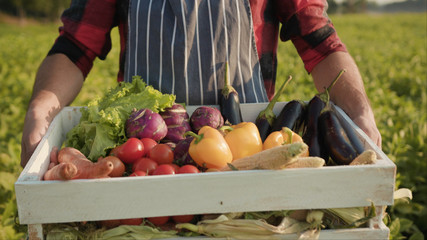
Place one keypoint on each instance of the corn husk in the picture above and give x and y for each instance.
(350, 217)
(315, 218)
(306, 162)
(89, 231)
(245, 228)
(61, 234)
(128, 232)
(71, 231)
(310, 234)
(273, 158)
(403, 193)
(267, 214)
(367, 157)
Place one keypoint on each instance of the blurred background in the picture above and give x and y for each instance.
(386, 38)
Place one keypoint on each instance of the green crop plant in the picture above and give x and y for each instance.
(390, 50)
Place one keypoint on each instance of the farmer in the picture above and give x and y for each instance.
(181, 47)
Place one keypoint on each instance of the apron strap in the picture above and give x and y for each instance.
(181, 47)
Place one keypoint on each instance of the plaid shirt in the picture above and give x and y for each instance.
(87, 25)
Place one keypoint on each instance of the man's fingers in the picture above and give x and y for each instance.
(370, 128)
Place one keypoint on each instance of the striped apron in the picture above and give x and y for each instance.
(181, 47)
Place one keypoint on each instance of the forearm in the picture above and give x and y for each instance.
(348, 92)
(58, 81)
(349, 89)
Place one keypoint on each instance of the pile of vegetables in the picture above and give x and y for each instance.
(102, 124)
(327, 136)
(136, 131)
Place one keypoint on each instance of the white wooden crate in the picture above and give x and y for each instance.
(41, 202)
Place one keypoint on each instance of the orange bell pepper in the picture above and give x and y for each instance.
(243, 139)
(209, 148)
(284, 136)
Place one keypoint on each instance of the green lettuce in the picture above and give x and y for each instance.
(102, 125)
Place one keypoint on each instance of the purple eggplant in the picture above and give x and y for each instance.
(181, 156)
(229, 102)
(291, 116)
(206, 116)
(311, 135)
(266, 117)
(334, 138)
(177, 121)
(145, 123)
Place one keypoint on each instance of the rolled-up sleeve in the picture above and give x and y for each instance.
(307, 25)
(85, 33)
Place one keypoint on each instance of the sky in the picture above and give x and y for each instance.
(387, 1)
(379, 2)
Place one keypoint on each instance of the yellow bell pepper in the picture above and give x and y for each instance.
(244, 140)
(284, 136)
(209, 148)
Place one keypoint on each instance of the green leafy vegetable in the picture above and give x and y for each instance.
(102, 123)
(137, 232)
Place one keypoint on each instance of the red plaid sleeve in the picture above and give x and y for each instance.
(85, 33)
(307, 25)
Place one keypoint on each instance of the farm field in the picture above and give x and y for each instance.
(389, 49)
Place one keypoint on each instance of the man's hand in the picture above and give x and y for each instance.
(34, 130)
(370, 128)
(348, 92)
(58, 81)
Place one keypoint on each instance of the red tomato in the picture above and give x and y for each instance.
(188, 169)
(130, 151)
(164, 169)
(145, 164)
(161, 153)
(110, 223)
(182, 218)
(158, 221)
(114, 151)
(176, 167)
(131, 221)
(148, 144)
(138, 173)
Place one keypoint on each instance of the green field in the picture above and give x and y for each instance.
(389, 49)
